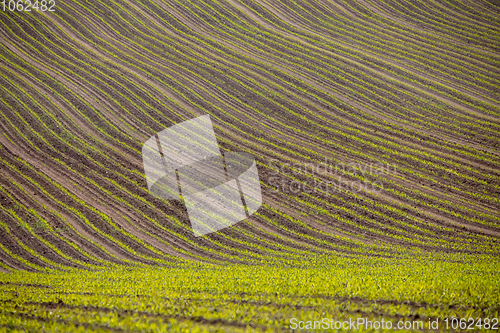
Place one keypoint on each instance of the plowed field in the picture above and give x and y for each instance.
(376, 130)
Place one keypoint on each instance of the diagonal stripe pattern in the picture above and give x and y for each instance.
(185, 162)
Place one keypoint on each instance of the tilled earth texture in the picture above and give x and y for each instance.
(374, 125)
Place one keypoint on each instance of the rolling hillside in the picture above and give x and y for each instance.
(394, 104)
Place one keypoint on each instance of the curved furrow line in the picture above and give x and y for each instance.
(73, 232)
(105, 225)
(102, 240)
(400, 218)
(394, 56)
(384, 232)
(379, 199)
(478, 53)
(452, 48)
(430, 52)
(417, 16)
(79, 104)
(437, 13)
(85, 86)
(453, 10)
(107, 212)
(395, 72)
(474, 9)
(401, 54)
(57, 71)
(40, 228)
